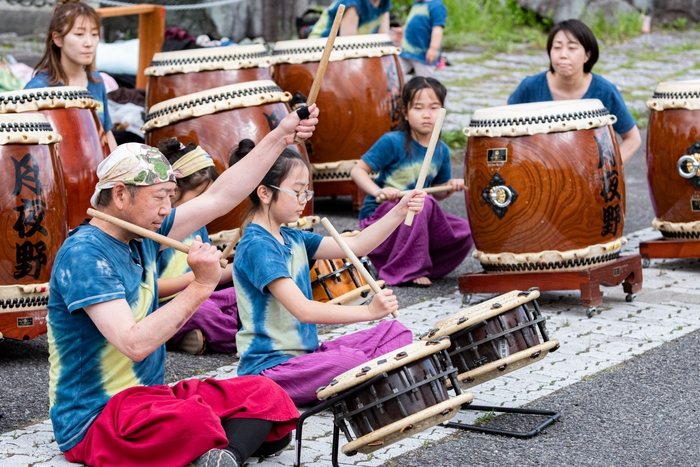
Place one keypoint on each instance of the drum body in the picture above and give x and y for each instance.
(73, 114)
(360, 96)
(332, 278)
(217, 120)
(175, 74)
(34, 221)
(545, 186)
(673, 158)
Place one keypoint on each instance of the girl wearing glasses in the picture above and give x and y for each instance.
(278, 337)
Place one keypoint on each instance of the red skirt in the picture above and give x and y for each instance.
(173, 425)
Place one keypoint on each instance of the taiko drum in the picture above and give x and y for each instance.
(673, 159)
(545, 186)
(33, 222)
(72, 111)
(217, 120)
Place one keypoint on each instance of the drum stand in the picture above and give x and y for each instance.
(553, 417)
(625, 270)
(665, 248)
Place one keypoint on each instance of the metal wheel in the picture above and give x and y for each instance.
(630, 297)
(466, 299)
(646, 262)
(591, 311)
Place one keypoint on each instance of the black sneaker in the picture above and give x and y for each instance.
(216, 458)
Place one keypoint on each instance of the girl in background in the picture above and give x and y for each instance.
(437, 242)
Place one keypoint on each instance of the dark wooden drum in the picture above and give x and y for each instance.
(33, 223)
(217, 120)
(495, 337)
(175, 74)
(673, 159)
(72, 112)
(545, 186)
(401, 393)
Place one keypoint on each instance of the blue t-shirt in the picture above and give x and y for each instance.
(399, 170)
(173, 263)
(370, 17)
(535, 89)
(85, 369)
(98, 91)
(269, 333)
(423, 17)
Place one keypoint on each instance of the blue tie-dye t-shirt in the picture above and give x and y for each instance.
(85, 369)
(269, 333)
(399, 170)
(422, 18)
(370, 17)
(98, 91)
(173, 263)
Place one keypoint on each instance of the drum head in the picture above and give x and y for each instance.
(676, 95)
(233, 57)
(344, 48)
(26, 129)
(32, 100)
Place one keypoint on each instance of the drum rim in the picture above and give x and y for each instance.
(29, 100)
(683, 94)
(687, 230)
(344, 48)
(211, 58)
(26, 128)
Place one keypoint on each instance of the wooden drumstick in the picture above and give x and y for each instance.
(434, 137)
(354, 259)
(431, 189)
(325, 57)
(234, 241)
(156, 237)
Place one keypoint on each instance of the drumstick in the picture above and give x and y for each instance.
(431, 189)
(354, 259)
(156, 237)
(428, 157)
(316, 85)
(231, 244)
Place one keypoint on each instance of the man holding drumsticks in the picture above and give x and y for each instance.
(109, 403)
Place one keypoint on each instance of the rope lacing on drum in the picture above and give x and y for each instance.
(211, 59)
(693, 235)
(54, 93)
(26, 127)
(336, 48)
(214, 98)
(571, 263)
(507, 122)
(24, 302)
(677, 95)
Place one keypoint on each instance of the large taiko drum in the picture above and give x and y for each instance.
(33, 223)
(395, 396)
(545, 187)
(72, 111)
(495, 337)
(217, 120)
(673, 159)
(338, 282)
(360, 96)
(175, 74)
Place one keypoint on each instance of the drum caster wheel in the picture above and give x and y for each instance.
(591, 311)
(630, 297)
(466, 299)
(646, 262)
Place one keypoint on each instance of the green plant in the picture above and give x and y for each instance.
(487, 417)
(680, 24)
(626, 26)
(455, 139)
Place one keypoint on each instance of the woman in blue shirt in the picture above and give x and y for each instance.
(360, 17)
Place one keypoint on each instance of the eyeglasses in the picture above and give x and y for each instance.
(301, 196)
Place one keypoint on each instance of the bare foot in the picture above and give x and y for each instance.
(422, 281)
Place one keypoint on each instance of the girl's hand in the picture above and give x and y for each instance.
(431, 55)
(203, 259)
(412, 201)
(457, 184)
(383, 304)
(292, 126)
(389, 193)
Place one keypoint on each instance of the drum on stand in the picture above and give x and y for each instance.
(495, 337)
(337, 282)
(545, 188)
(72, 111)
(34, 221)
(175, 74)
(217, 120)
(673, 159)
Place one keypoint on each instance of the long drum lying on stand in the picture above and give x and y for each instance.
(545, 187)
(34, 221)
(395, 396)
(673, 159)
(175, 74)
(217, 120)
(72, 111)
(495, 337)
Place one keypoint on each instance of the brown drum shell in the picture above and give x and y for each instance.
(219, 134)
(424, 396)
(360, 99)
(334, 277)
(559, 205)
(466, 358)
(162, 88)
(671, 133)
(83, 146)
(34, 213)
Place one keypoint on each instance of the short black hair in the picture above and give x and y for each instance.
(583, 34)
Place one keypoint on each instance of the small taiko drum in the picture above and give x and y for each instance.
(336, 281)
(545, 186)
(673, 159)
(217, 120)
(495, 337)
(395, 396)
(33, 222)
(72, 111)
(175, 74)
(360, 96)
